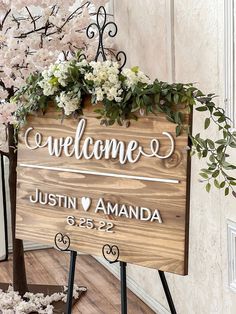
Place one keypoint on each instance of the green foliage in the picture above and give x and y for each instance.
(158, 97)
(218, 171)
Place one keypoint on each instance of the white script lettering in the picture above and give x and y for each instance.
(89, 148)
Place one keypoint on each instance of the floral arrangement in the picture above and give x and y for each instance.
(125, 95)
(11, 302)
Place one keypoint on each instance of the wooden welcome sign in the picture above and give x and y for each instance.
(106, 185)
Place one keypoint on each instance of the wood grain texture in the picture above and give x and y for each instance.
(150, 244)
(103, 295)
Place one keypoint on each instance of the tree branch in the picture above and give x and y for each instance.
(4, 19)
(49, 25)
(23, 35)
(10, 90)
(69, 18)
(32, 18)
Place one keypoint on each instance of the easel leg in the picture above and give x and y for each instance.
(73, 255)
(167, 292)
(123, 287)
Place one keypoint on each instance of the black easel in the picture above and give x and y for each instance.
(123, 287)
(71, 278)
(167, 292)
(62, 243)
(111, 253)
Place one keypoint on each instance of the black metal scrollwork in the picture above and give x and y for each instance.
(62, 241)
(99, 29)
(111, 253)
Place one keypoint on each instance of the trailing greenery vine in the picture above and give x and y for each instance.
(127, 94)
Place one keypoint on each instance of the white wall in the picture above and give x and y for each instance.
(183, 40)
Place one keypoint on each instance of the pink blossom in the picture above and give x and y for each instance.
(24, 50)
(6, 113)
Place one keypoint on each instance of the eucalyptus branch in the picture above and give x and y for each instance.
(218, 166)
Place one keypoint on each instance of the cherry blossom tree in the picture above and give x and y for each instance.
(33, 34)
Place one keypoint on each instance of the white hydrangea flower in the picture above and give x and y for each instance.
(99, 93)
(133, 77)
(106, 82)
(68, 102)
(49, 85)
(61, 73)
(48, 88)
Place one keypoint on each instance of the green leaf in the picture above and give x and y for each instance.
(222, 185)
(128, 96)
(135, 69)
(226, 191)
(217, 114)
(221, 119)
(217, 184)
(232, 144)
(206, 171)
(215, 173)
(178, 130)
(202, 108)
(208, 187)
(228, 166)
(204, 153)
(147, 100)
(220, 149)
(176, 99)
(210, 143)
(207, 123)
(221, 142)
(168, 97)
(204, 175)
(157, 98)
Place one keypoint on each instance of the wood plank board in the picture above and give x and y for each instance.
(148, 243)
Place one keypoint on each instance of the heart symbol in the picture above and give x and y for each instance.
(86, 202)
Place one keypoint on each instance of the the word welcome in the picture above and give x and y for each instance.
(89, 148)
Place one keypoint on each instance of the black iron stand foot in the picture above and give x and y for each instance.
(73, 255)
(123, 287)
(167, 292)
